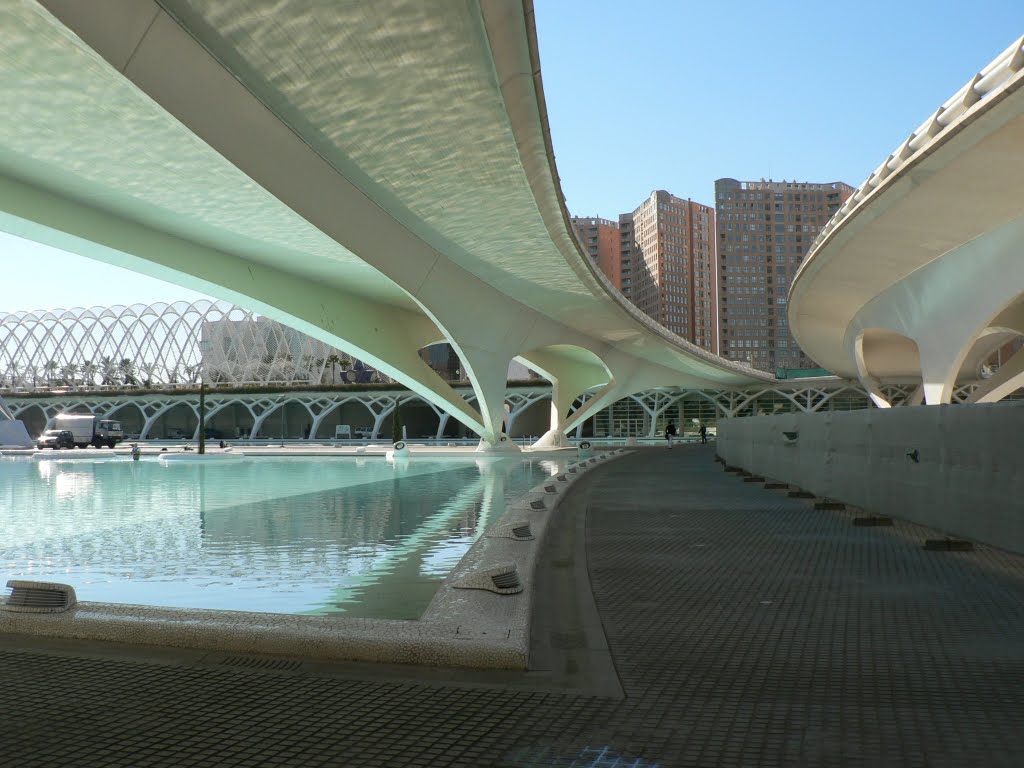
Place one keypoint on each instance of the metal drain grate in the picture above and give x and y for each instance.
(507, 580)
(949, 545)
(561, 478)
(537, 504)
(502, 579)
(830, 504)
(550, 489)
(519, 530)
(250, 662)
(39, 597)
(872, 521)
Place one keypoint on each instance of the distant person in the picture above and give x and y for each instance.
(670, 432)
(703, 433)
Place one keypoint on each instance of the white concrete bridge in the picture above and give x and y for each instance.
(379, 176)
(919, 278)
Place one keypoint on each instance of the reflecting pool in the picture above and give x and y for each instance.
(354, 536)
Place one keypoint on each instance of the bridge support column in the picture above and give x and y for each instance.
(488, 371)
(571, 373)
(874, 389)
(939, 367)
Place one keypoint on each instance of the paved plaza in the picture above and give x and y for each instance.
(746, 628)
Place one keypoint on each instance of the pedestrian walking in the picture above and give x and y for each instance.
(703, 433)
(670, 432)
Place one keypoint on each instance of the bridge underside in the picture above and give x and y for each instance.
(320, 184)
(919, 277)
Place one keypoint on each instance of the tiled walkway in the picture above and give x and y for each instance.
(747, 629)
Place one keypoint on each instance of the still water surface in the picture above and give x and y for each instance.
(357, 536)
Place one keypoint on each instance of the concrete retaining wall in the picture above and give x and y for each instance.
(968, 479)
(13, 433)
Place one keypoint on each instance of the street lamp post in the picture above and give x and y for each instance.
(204, 347)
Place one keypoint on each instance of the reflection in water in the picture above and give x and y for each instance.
(553, 467)
(359, 536)
(67, 484)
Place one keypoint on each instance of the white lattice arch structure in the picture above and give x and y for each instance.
(157, 345)
(285, 414)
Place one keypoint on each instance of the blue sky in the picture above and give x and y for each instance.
(664, 94)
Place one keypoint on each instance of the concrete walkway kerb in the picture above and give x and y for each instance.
(460, 628)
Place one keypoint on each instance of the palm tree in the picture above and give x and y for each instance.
(148, 372)
(50, 367)
(309, 364)
(334, 361)
(126, 369)
(108, 371)
(89, 371)
(67, 374)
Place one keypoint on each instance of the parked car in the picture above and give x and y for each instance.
(56, 438)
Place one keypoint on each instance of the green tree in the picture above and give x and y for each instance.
(50, 368)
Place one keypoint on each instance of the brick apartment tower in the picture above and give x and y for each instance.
(765, 229)
(600, 240)
(668, 263)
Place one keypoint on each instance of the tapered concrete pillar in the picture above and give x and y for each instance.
(571, 371)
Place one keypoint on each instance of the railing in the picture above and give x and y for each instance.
(968, 99)
(523, 441)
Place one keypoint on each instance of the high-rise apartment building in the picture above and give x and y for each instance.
(765, 229)
(667, 260)
(600, 240)
(626, 244)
